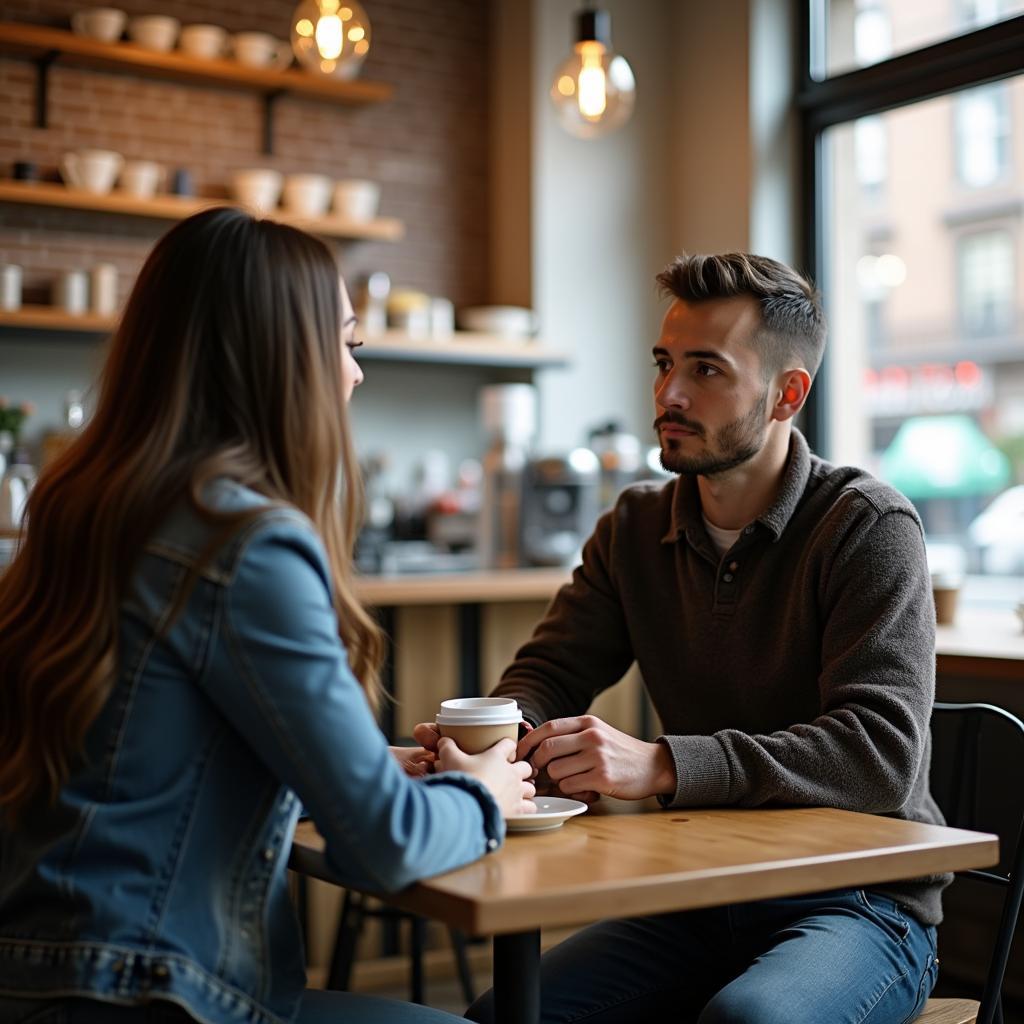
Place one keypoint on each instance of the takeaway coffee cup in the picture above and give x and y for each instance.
(946, 592)
(476, 723)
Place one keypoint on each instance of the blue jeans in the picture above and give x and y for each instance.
(845, 957)
(315, 1008)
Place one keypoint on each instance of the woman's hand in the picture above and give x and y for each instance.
(414, 761)
(497, 769)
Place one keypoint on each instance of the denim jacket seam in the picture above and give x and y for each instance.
(82, 827)
(133, 686)
(237, 877)
(223, 568)
(187, 963)
(276, 721)
(187, 560)
(160, 901)
(273, 516)
(207, 622)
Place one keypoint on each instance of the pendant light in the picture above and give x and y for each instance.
(593, 89)
(331, 37)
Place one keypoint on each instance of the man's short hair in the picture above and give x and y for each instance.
(792, 320)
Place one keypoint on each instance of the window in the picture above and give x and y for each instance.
(982, 118)
(913, 229)
(859, 33)
(985, 282)
(871, 152)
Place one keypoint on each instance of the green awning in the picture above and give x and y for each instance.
(944, 457)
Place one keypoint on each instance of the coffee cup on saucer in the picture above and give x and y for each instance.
(103, 23)
(93, 170)
(477, 723)
(260, 50)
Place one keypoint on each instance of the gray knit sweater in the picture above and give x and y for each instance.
(798, 668)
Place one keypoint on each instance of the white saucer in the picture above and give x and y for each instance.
(552, 812)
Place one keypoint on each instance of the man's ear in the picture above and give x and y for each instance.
(792, 390)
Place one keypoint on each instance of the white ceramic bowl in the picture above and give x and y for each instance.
(257, 188)
(154, 31)
(103, 23)
(507, 321)
(140, 178)
(356, 200)
(207, 42)
(307, 195)
(93, 170)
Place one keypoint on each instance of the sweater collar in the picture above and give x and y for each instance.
(685, 516)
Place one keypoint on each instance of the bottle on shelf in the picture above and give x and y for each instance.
(509, 415)
(18, 480)
(6, 447)
(56, 442)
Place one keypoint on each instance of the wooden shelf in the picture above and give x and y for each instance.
(40, 43)
(466, 348)
(50, 318)
(169, 207)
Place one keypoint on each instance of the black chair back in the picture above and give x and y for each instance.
(977, 755)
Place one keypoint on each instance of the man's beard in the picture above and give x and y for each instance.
(734, 444)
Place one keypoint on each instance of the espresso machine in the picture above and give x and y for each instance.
(561, 502)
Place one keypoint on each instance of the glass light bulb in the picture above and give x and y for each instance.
(592, 94)
(331, 39)
(593, 91)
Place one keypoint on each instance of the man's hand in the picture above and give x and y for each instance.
(585, 755)
(414, 761)
(426, 734)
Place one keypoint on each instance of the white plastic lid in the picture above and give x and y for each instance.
(479, 711)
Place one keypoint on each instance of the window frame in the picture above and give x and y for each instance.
(984, 55)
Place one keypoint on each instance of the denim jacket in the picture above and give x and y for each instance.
(160, 873)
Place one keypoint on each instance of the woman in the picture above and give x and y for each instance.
(181, 655)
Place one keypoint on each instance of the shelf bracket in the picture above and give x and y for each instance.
(269, 102)
(43, 64)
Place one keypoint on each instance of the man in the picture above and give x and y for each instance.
(779, 609)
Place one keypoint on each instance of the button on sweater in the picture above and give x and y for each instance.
(798, 668)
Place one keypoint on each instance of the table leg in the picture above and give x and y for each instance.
(469, 650)
(517, 978)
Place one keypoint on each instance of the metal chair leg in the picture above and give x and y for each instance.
(344, 953)
(417, 943)
(459, 948)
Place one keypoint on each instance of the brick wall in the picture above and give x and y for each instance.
(427, 145)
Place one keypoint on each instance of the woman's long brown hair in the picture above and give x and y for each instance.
(226, 363)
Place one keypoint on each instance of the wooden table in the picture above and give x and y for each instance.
(600, 866)
(981, 645)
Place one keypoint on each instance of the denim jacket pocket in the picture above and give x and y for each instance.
(886, 912)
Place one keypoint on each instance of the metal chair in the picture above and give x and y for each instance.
(974, 793)
(355, 909)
